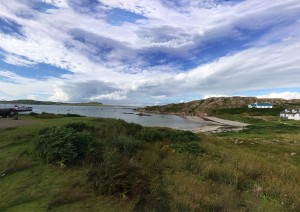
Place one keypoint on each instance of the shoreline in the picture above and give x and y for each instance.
(216, 125)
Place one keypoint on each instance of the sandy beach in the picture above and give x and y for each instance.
(217, 125)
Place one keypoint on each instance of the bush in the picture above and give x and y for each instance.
(190, 147)
(64, 146)
(182, 136)
(125, 145)
(132, 128)
(33, 114)
(72, 115)
(48, 116)
(160, 134)
(117, 176)
(44, 115)
(150, 135)
(156, 200)
(79, 126)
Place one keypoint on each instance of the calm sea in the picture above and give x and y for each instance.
(119, 112)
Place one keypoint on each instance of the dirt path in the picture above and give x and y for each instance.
(9, 122)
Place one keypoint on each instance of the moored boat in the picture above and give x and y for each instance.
(22, 108)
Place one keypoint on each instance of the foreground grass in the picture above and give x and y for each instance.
(256, 169)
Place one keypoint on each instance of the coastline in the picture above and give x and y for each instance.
(216, 125)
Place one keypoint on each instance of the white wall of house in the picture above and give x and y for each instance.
(250, 106)
(295, 116)
(264, 106)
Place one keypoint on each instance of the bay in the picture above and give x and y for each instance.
(119, 112)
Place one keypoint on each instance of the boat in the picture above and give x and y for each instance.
(22, 108)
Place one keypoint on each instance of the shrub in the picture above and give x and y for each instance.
(182, 136)
(190, 147)
(33, 114)
(52, 115)
(150, 135)
(72, 115)
(159, 134)
(156, 200)
(79, 126)
(126, 145)
(117, 176)
(221, 175)
(48, 116)
(132, 128)
(63, 145)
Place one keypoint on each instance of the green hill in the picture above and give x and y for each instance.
(206, 106)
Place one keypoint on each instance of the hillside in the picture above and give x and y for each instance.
(206, 106)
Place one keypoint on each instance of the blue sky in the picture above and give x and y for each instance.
(141, 53)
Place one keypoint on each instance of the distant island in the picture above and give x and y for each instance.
(35, 102)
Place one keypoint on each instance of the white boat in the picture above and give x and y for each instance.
(22, 108)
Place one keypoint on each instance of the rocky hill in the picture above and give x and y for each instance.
(203, 107)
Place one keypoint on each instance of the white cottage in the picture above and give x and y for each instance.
(293, 114)
(261, 105)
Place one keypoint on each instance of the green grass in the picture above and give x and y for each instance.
(250, 170)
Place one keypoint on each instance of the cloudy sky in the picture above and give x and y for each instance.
(139, 52)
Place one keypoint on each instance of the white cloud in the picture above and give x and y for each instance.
(117, 95)
(17, 87)
(57, 3)
(268, 62)
(213, 95)
(59, 95)
(17, 60)
(32, 97)
(282, 95)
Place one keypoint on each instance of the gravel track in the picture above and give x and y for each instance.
(9, 122)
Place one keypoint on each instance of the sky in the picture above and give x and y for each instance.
(147, 52)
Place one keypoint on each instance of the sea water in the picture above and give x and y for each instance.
(119, 112)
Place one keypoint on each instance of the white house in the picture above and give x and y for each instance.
(293, 114)
(261, 105)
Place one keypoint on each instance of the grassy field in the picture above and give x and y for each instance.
(152, 169)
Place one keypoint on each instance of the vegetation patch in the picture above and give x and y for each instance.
(52, 115)
(80, 126)
(190, 148)
(125, 145)
(113, 165)
(117, 176)
(65, 146)
(67, 196)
